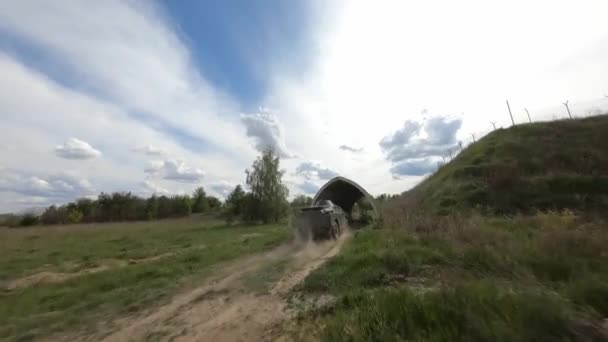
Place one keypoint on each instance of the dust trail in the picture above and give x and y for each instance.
(223, 309)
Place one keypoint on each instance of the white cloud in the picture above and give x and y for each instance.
(402, 136)
(414, 149)
(175, 170)
(151, 188)
(150, 150)
(266, 131)
(351, 149)
(76, 149)
(151, 71)
(308, 187)
(151, 75)
(61, 187)
(223, 188)
(135, 83)
(377, 64)
(414, 167)
(314, 170)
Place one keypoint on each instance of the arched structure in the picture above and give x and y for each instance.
(343, 192)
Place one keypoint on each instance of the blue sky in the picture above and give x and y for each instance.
(237, 43)
(165, 96)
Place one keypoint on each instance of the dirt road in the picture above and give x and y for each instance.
(228, 307)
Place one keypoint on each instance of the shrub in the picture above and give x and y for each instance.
(28, 220)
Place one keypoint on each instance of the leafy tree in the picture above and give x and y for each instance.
(152, 208)
(301, 201)
(200, 202)
(87, 208)
(28, 220)
(182, 205)
(51, 215)
(268, 202)
(164, 207)
(235, 203)
(214, 203)
(74, 216)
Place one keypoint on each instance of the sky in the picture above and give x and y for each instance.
(166, 96)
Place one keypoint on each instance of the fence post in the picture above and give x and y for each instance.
(568, 109)
(530, 119)
(473, 135)
(510, 114)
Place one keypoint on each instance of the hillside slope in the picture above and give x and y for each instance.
(540, 166)
(463, 276)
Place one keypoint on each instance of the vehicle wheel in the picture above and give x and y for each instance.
(332, 232)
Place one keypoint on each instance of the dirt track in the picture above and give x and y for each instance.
(225, 308)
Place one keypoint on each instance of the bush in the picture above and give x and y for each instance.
(28, 220)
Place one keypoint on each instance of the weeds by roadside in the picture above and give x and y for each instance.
(524, 278)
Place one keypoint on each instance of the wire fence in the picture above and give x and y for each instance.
(472, 137)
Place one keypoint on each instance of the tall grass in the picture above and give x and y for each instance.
(524, 278)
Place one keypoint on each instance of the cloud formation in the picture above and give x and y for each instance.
(308, 187)
(266, 131)
(414, 167)
(313, 170)
(351, 149)
(158, 90)
(153, 188)
(45, 188)
(413, 154)
(175, 170)
(222, 188)
(401, 136)
(150, 150)
(76, 149)
(442, 131)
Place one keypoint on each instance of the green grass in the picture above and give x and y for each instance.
(61, 248)
(541, 166)
(452, 266)
(83, 302)
(467, 312)
(543, 277)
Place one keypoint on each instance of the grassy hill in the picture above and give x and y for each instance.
(521, 169)
(437, 270)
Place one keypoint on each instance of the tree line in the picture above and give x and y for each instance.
(120, 206)
(263, 200)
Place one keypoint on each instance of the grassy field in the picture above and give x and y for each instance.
(75, 278)
(539, 278)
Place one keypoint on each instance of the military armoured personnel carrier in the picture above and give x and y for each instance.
(322, 221)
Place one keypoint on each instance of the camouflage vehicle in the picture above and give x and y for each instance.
(322, 221)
